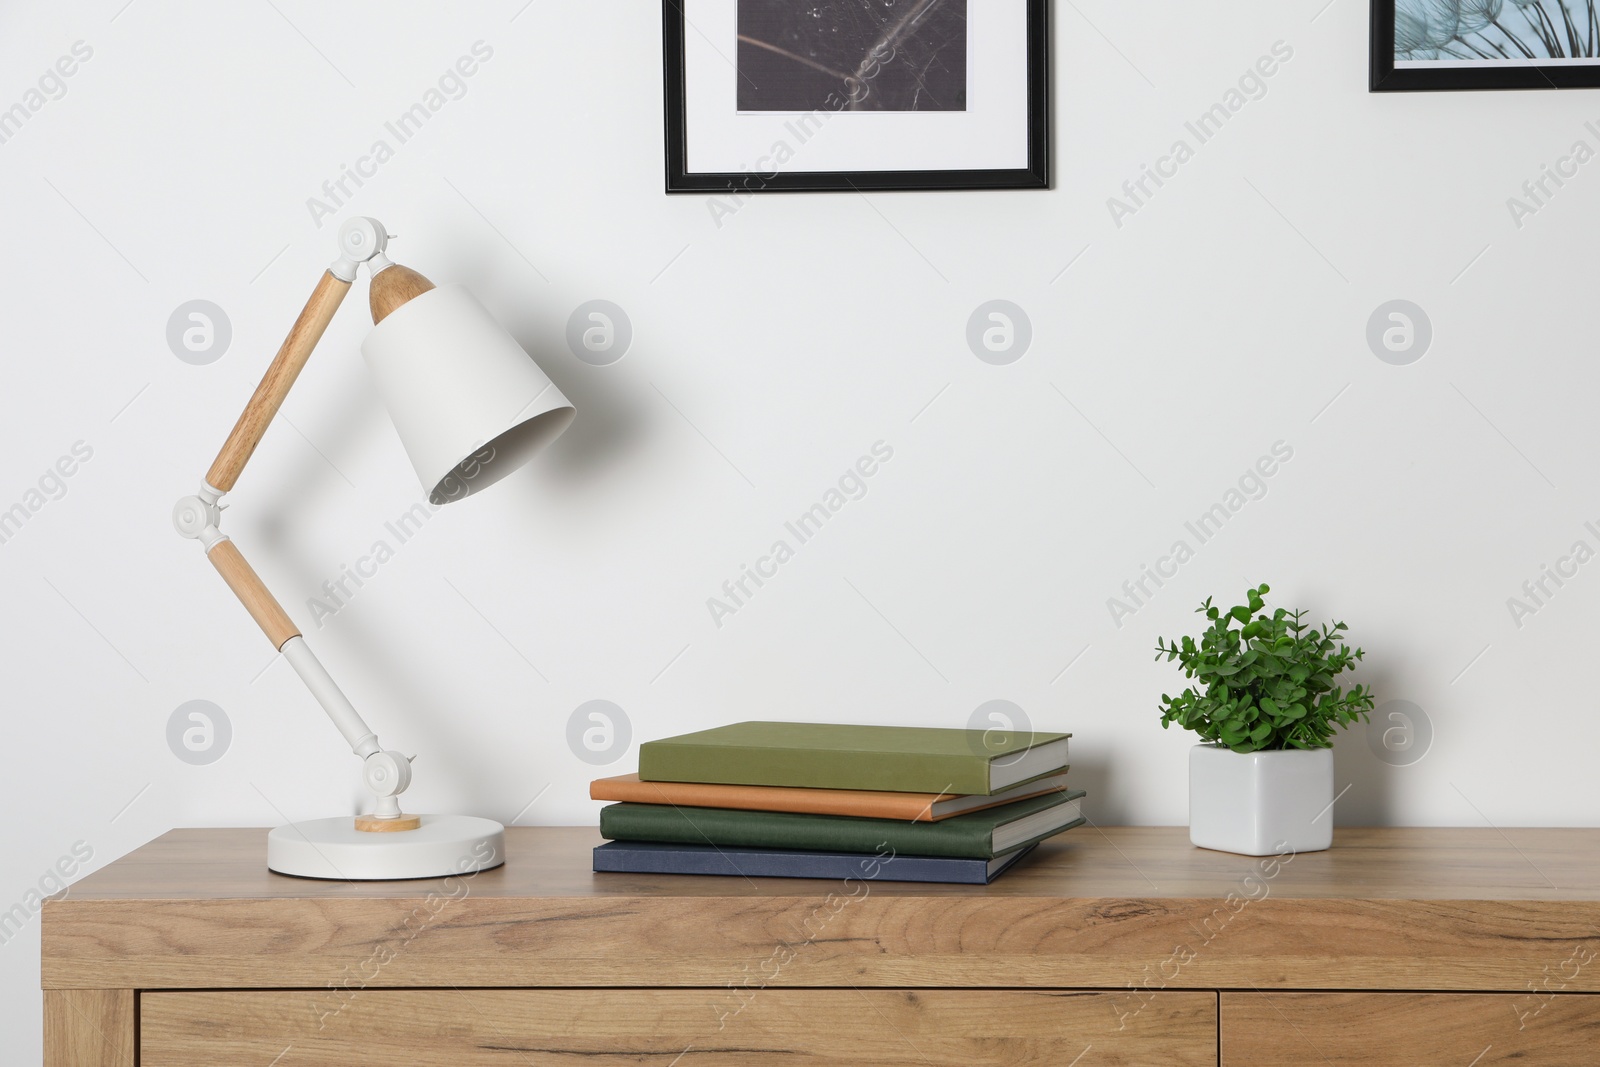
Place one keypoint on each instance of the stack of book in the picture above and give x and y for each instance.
(811, 800)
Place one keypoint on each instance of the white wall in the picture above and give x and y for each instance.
(768, 354)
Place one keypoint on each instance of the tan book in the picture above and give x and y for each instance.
(861, 803)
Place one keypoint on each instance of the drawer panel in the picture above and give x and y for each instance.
(1339, 1029)
(680, 1027)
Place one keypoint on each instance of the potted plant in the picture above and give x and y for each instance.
(1266, 706)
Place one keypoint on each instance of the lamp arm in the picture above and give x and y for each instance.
(279, 379)
(361, 241)
(386, 774)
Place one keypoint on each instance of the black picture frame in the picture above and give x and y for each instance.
(1036, 175)
(1385, 78)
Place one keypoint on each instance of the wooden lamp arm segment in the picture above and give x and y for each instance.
(275, 384)
(252, 593)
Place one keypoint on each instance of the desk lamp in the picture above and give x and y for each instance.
(470, 407)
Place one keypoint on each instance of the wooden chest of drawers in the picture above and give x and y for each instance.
(1114, 946)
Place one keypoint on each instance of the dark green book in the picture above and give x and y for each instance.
(896, 759)
(979, 835)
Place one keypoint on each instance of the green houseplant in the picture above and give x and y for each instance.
(1266, 704)
(1266, 681)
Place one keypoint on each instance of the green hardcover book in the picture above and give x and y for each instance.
(896, 759)
(979, 835)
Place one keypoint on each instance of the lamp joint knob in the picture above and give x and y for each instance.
(386, 774)
(361, 240)
(192, 516)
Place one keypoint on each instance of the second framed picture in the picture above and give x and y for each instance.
(785, 95)
(1485, 44)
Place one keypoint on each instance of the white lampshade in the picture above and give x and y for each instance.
(470, 405)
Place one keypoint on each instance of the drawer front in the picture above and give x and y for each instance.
(680, 1027)
(1339, 1029)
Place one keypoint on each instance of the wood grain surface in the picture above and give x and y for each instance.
(1362, 1029)
(681, 1027)
(88, 1028)
(1137, 910)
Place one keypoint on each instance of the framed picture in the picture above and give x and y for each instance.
(785, 95)
(1485, 44)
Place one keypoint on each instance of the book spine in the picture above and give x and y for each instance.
(909, 807)
(748, 863)
(764, 829)
(896, 772)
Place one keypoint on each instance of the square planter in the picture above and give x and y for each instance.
(1261, 803)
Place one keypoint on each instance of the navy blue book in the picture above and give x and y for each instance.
(655, 857)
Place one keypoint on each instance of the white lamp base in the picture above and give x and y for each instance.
(333, 848)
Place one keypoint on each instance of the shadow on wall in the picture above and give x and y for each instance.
(314, 594)
(1368, 784)
(1093, 775)
(611, 422)
(1372, 758)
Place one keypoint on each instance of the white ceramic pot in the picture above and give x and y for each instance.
(1261, 803)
